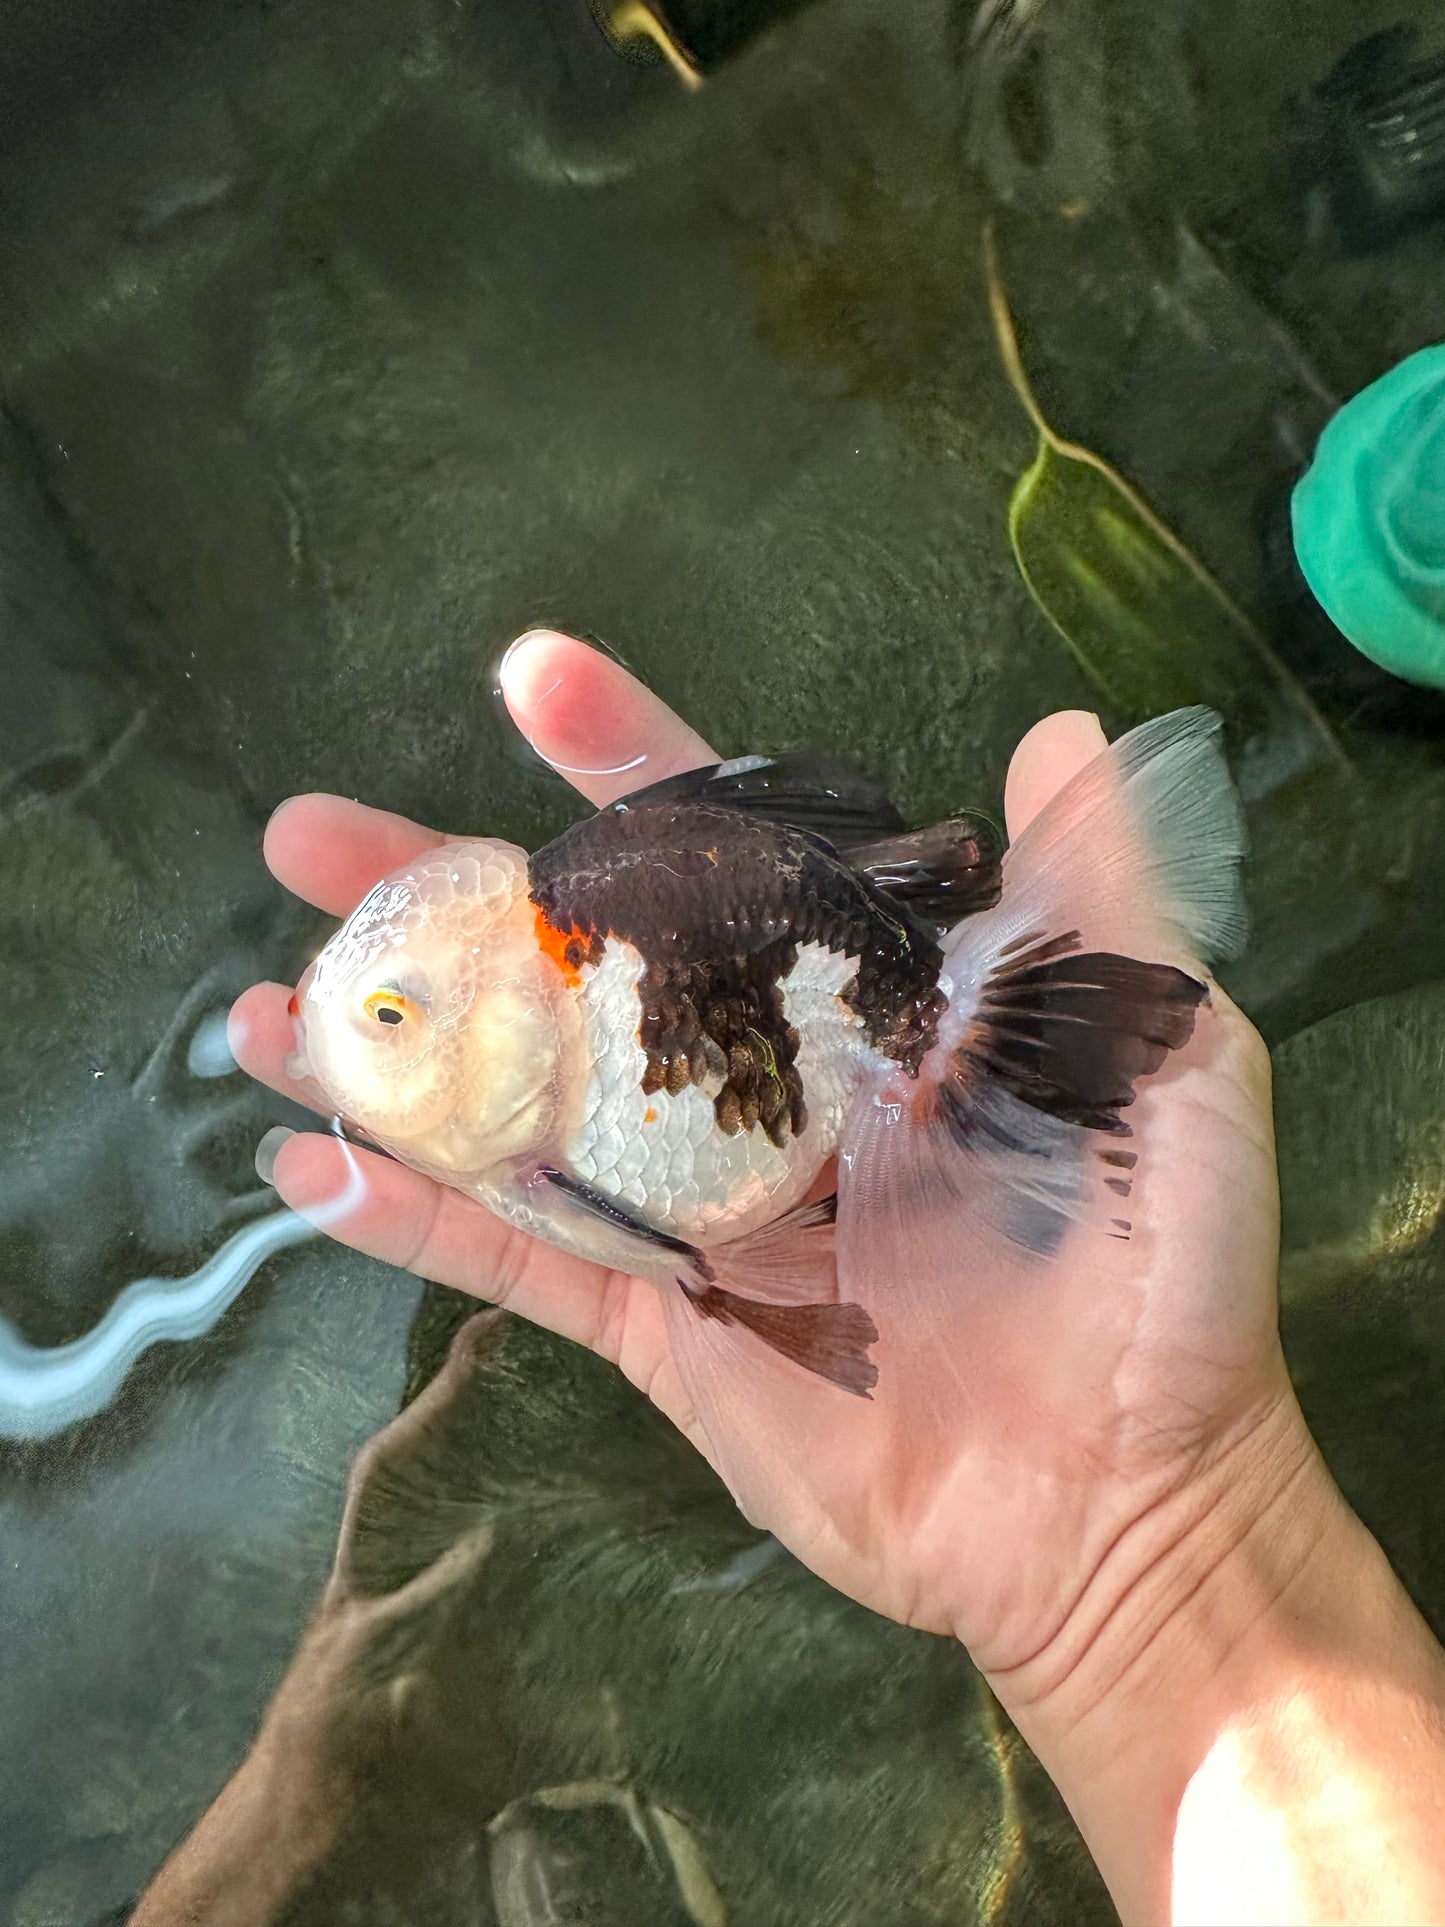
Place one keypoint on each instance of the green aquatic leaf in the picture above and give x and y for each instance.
(1147, 623)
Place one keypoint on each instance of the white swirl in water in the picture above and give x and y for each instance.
(44, 1388)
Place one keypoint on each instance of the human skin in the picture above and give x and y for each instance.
(334, 1718)
(1130, 1528)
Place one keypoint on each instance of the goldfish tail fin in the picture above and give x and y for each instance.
(1084, 979)
(1140, 851)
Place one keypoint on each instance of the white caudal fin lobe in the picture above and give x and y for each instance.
(1141, 850)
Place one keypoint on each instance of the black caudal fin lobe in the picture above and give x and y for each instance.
(1056, 1043)
(832, 1341)
(1069, 1031)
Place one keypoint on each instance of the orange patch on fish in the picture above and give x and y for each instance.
(568, 949)
(649, 1116)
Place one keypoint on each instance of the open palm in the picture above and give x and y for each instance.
(1019, 1434)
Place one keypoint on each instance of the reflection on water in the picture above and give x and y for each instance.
(43, 1389)
(341, 345)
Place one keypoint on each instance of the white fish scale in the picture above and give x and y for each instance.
(607, 1149)
(632, 1160)
(683, 1158)
(665, 1155)
(609, 1109)
(832, 1049)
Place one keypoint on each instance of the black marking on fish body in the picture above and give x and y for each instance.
(718, 902)
(726, 1018)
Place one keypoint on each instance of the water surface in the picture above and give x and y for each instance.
(339, 344)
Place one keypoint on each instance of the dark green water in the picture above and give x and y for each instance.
(337, 345)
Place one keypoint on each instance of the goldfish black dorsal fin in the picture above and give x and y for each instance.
(820, 794)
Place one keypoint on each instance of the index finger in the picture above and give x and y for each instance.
(594, 723)
(331, 851)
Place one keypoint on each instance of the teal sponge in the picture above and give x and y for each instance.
(1369, 520)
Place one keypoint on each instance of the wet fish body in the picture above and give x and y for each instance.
(740, 973)
(647, 1041)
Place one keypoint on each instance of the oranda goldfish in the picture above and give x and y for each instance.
(647, 1041)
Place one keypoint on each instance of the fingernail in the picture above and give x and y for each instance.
(238, 1031)
(269, 1149)
(276, 814)
(508, 667)
(209, 1053)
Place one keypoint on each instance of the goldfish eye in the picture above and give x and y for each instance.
(390, 1006)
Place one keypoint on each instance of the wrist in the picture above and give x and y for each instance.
(1185, 1582)
(1224, 1684)
(246, 1854)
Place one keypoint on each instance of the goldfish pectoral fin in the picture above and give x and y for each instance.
(627, 1226)
(805, 790)
(830, 1340)
(948, 871)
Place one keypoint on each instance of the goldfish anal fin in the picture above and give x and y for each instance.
(831, 1341)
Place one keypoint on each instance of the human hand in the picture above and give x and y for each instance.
(340, 1709)
(1102, 1407)
(337, 1712)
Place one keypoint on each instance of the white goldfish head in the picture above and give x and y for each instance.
(435, 1021)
